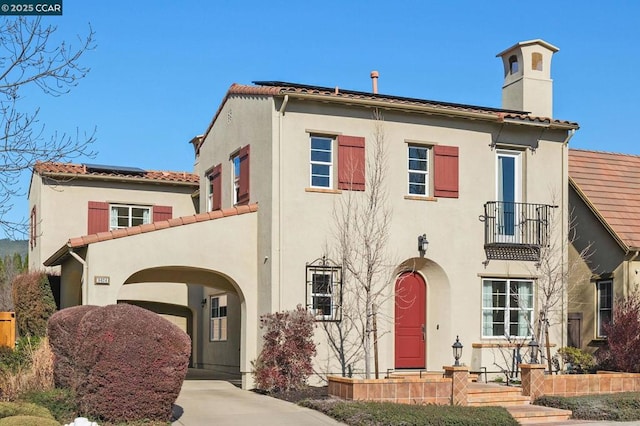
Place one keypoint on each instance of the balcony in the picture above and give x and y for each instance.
(515, 231)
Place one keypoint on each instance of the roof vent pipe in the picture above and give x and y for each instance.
(374, 81)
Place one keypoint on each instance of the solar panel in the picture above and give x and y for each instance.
(114, 169)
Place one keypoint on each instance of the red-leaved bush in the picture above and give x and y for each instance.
(128, 363)
(623, 336)
(284, 363)
(62, 330)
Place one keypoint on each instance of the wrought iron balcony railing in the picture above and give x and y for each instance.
(516, 231)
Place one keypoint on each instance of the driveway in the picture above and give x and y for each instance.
(204, 402)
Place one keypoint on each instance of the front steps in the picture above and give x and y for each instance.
(511, 398)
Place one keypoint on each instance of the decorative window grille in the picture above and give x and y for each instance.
(324, 289)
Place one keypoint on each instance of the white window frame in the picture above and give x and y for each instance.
(503, 236)
(218, 318)
(209, 178)
(507, 309)
(410, 171)
(316, 308)
(321, 163)
(113, 223)
(235, 177)
(599, 287)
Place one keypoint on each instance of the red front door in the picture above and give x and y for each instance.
(410, 321)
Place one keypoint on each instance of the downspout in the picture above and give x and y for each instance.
(283, 108)
(564, 235)
(85, 276)
(627, 273)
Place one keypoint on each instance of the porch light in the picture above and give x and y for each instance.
(457, 351)
(533, 350)
(422, 243)
(204, 302)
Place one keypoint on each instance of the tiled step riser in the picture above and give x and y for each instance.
(496, 404)
(538, 420)
(494, 395)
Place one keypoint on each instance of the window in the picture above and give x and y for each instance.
(513, 64)
(214, 189)
(605, 305)
(324, 290)
(126, 216)
(218, 330)
(442, 175)
(507, 307)
(321, 162)
(33, 236)
(418, 170)
(240, 177)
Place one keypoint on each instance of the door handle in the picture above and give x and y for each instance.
(424, 333)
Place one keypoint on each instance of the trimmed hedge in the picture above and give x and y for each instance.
(62, 330)
(129, 364)
(33, 303)
(9, 409)
(27, 421)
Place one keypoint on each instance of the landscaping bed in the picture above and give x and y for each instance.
(617, 407)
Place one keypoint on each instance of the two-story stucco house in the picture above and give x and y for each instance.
(480, 184)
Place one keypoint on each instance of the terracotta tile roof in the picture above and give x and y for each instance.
(85, 240)
(610, 183)
(81, 170)
(279, 88)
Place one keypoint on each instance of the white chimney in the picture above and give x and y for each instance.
(527, 77)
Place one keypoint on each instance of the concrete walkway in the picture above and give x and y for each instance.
(203, 402)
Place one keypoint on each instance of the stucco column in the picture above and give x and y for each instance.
(532, 380)
(459, 383)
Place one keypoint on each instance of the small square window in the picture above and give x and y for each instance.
(123, 216)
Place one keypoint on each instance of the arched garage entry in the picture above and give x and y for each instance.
(207, 304)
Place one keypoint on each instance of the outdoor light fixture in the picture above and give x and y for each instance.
(533, 350)
(457, 351)
(204, 302)
(422, 243)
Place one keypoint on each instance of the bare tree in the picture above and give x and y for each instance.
(361, 231)
(31, 58)
(10, 268)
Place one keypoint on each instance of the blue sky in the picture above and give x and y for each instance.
(161, 68)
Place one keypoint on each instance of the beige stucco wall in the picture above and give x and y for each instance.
(63, 207)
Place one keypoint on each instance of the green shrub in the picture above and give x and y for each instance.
(389, 414)
(27, 421)
(9, 409)
(60, 402)
(577, 360)
(33, 303)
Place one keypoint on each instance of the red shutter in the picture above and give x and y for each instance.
(243, 192)
(162, 213)
(216, 184)
(98, 217)
(446, 171)
(351, 174)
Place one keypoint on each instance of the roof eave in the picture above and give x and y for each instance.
(56, 258)
(117, 178)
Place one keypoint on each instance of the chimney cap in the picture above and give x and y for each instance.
(375, 74)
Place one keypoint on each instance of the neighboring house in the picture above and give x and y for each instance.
(274, 162)
(605, 203)
(78, 199)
